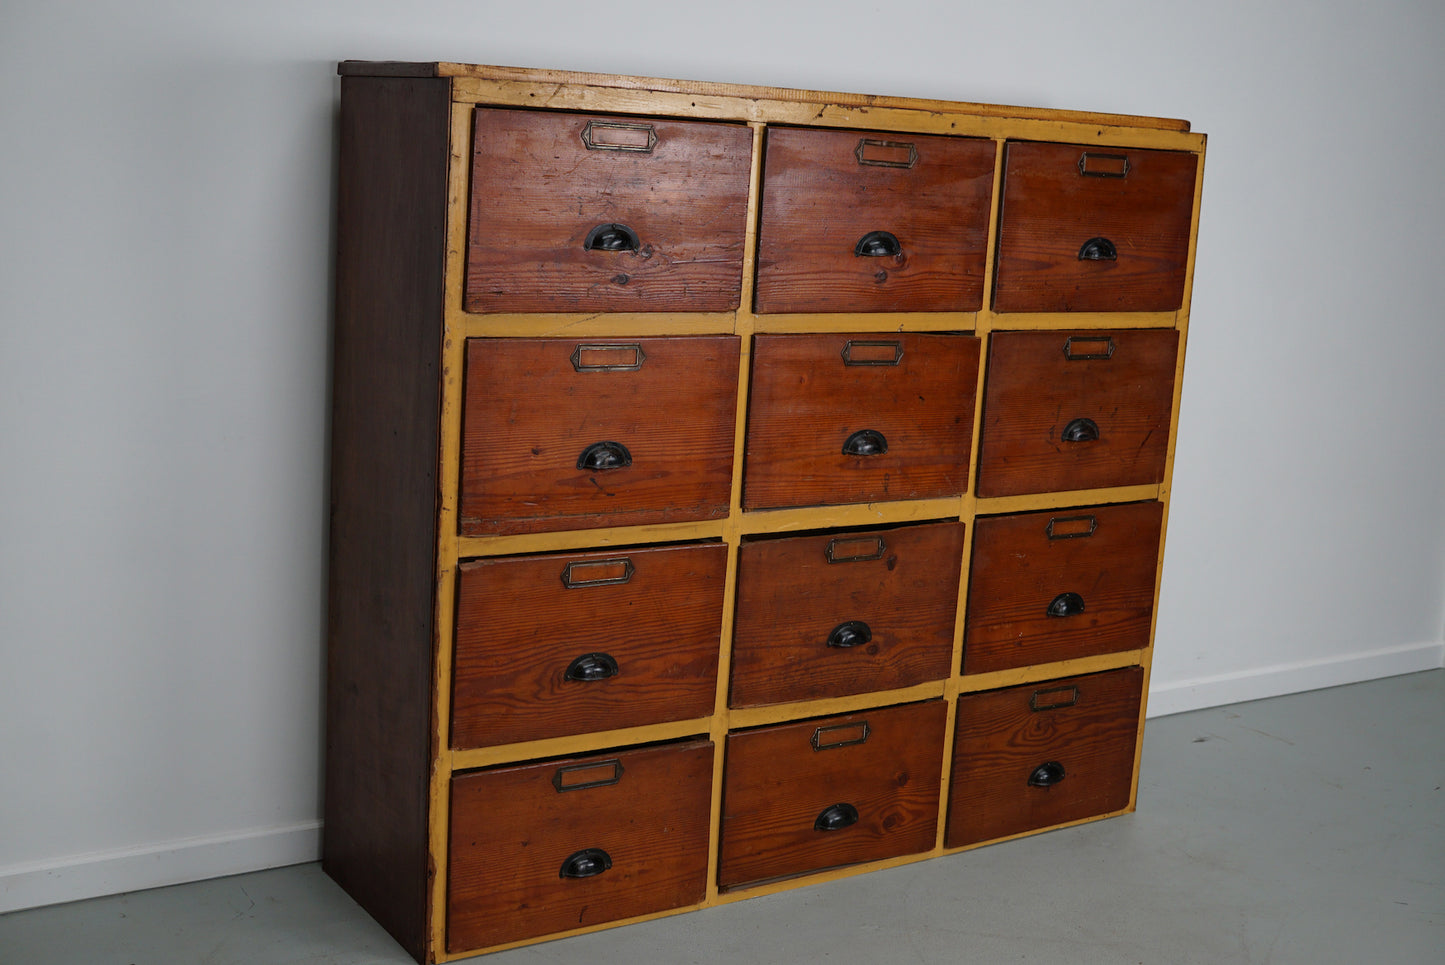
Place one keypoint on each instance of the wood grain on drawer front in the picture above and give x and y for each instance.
(839, 790)
(1061, 584)
(854, 221)
(1042, 754)
(570, 643)
(1076, 410)
(844, 613)
(633, 825)
(571, 434)
(661, 203)
(1091, 229)
(859, 418)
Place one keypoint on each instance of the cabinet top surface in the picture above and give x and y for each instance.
(442, 69)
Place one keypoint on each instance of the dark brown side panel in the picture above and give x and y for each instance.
(391, 208)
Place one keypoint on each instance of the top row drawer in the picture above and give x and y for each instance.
(597, 213)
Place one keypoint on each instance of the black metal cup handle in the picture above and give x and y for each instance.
(1047, 774)
(612, 237)
(878, 244)
(865, 442)
(586, 863)
(1066, 605)
(1098, 249)
(592, 666)
(1081, 430)
(602, 456)
(851, 634)
(836, 817)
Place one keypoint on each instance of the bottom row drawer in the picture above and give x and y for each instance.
(543, 848)
(558, 845)
(1035, 756)
(817, 794)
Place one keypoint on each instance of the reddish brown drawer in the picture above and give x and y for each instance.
(825, 616)
(568, 434)
(1031, 757)
(1076, 410)
(854, 221)
(575, 213)
(822, 793)
(850, 419)
(1063, 584)
(570, 643)
(547, 847)
(1089, 229)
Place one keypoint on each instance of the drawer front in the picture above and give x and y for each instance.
(547, 847)
(854, 221)
(566, 434)
(826, 616)
(822, 793)
(562, 644)
(1061, 584)
(1076, 410)
(849, 419)
(1089, 229)
(574, 212)
(1043, 754)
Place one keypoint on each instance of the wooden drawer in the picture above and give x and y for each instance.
(1089, 229)
(578, 212)
(1043, 754)
(1062, 584)
(1076, 410)
(854, 221)
(608, 432)
(822, 793)
(826, 616)
(570, 643)
(547, 847)
(859, 418)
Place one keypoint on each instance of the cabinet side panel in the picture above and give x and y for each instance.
(384, 436)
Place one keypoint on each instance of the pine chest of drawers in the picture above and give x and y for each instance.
(733, 487)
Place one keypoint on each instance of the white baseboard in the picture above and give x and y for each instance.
(1293, 678)
(169, 863)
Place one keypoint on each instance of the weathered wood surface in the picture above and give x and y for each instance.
(807, 402)
(1088, 725)
(512, 829)
(530, 414)
(1106, 555)
(522, 621)
(539, 190)
(824, 191)
(793, 593)
(777, 785)
(1052, 208)
(1035, 391)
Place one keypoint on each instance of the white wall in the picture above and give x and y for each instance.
(166, 174)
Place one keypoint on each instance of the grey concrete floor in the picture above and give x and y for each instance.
(1303, 829)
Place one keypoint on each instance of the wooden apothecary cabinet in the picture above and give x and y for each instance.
(733, 487)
